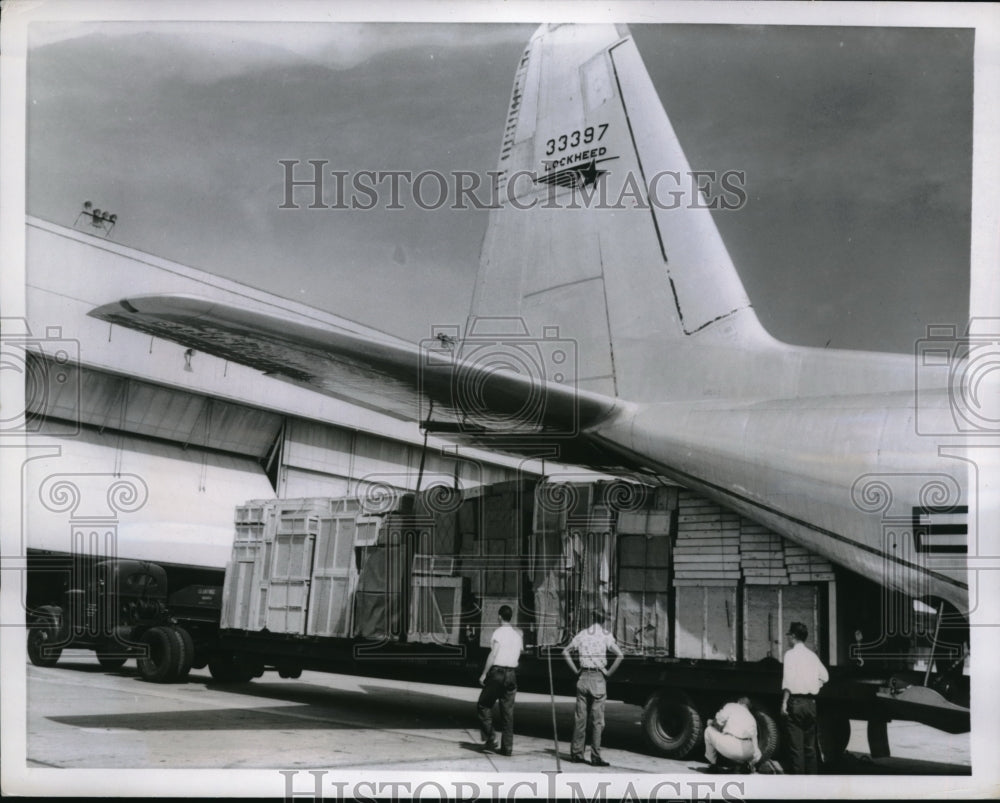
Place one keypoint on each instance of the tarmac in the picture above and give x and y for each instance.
(80, 716)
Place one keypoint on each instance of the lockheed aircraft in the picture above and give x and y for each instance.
(609, 328)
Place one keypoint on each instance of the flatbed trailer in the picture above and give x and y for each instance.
(412, 593)
(677, 697)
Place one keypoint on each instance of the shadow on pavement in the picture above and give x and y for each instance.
(305, 706)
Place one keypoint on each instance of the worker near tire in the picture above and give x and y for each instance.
(733, 735)
(592, 645)
(803, 675)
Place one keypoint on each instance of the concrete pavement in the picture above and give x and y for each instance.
(82, 716)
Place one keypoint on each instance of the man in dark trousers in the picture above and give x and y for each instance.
(592, 645)
(499, 682)
(803, 675)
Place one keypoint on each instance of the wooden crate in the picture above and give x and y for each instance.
(252, 513)
(706, 621)
(239, 590)
(768, 612)
(434, 564)
(642, 623)
(367, 532)
(334, 577)
(632, 522)
(435, 609)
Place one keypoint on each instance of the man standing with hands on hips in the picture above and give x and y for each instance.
(803, 675)
(592, 645)
(499, 682)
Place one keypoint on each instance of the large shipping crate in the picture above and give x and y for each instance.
(768, 612)
(284, 589)
(670, 572)
(240, 591)
(293, 568)
(643, 615)
(334, 577)
(706, 622)
(435, 609)
(378, 600)
(708, 542)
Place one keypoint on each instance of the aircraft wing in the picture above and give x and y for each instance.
(473, 394)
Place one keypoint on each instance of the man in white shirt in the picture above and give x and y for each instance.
(803, 675)
(499, 682)
(592, 644)
(733, 735)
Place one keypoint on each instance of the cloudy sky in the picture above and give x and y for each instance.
(856, 143)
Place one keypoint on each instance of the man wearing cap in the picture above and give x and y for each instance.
(592, 645)
(802, 677)
(499, 682)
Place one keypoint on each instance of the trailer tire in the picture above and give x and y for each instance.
(43, 631)
(111, 662)
(671, 724)
(833, 732)
(161, 661)
(290, 673)
(226, 669)
(768, 734)
(187, 656)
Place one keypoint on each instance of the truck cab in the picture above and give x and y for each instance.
(108, 606)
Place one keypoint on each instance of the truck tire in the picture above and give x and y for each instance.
(290, 673)
(111, 662)
(187, 652)
(768, 734)
(161, 662)
(44, 630)
(226, 669)
(671, 724)
(833, 732)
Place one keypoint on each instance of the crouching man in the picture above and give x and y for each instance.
(733, 735)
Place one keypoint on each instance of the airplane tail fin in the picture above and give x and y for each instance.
(597, 236)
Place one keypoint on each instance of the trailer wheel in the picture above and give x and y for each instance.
(768, 735)
(161, 662)
(187, 655)
(290, 673)
(671, 724)
(833, 732)
(44, 631)
(111, 662)
(226, 669)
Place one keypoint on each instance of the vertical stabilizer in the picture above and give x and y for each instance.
(598, 232)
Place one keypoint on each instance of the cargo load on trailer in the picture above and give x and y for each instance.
(699, 599)
(398, 584)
